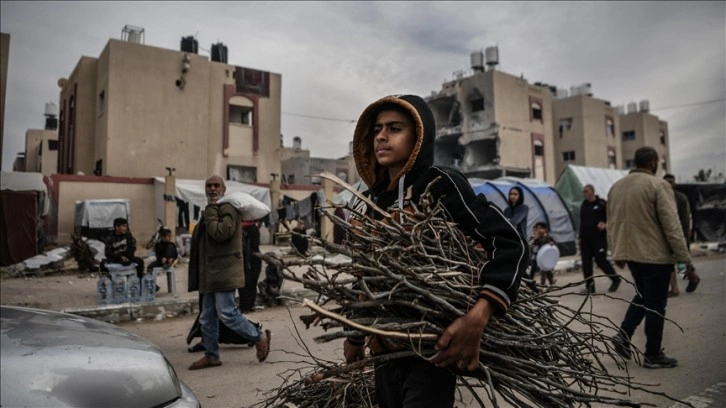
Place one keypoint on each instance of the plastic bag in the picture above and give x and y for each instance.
(250, 208)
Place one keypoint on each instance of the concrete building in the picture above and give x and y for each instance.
(641, 128)
(137, 109)
(492, 124)
(4, 55)
(41, 152)
(586, 130)
(299, 168)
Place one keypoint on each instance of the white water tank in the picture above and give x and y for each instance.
(620, 109)
(574, 90)
(492, 56)
(477, 61)
(586, 89)
(51, 109)
(562, 93)
(632, 107)
(645, 105)
(296, 142)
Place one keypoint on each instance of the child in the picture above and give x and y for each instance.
(541, 238)
(165, 250)
(393, 147)
(121, 247)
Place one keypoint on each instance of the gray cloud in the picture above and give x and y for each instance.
(336, 57)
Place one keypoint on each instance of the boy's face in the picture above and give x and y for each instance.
(393, 140)
(166, 238)
(539, 231)
(121, 229)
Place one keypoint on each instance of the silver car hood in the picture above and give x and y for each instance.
(52, 359)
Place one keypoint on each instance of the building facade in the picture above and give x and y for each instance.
(301, 169)
(641, 128)
(137, 110)
(586, 132)
(41, 152)
(493, 124)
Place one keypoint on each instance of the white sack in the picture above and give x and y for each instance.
(249, 207)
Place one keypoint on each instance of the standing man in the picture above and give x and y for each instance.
(216, 269)
(684, 215)
(646, 234)
(253, 265)
(593, 239)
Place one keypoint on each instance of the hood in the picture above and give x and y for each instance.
(423, 152)
(521, 197)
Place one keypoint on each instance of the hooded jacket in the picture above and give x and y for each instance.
(517, 213)
(508, 253)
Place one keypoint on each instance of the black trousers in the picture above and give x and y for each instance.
(651, 281)
(597, 249)
(414, 383)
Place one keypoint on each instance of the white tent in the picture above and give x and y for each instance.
(574, 178)
(192, 191)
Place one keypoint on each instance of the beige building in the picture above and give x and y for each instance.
(4, 55)
(300, 169)
(494, 124)
(640, 128)
(41, 151)
(137, 109)
(586, 131)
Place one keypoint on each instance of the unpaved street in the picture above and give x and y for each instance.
(700, 348)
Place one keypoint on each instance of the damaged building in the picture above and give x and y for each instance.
(492, 124)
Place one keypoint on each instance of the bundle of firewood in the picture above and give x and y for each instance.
(409, 276)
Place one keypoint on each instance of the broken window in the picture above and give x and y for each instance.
(243, 174)
(568, 156)
(628, 135)
(565, 125)
(52, 145)
(477, 105)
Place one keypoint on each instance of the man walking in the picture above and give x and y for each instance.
(684, 215)
(593, 239)
(646, 234)
(216, 269)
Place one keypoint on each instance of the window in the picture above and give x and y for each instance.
(629, 164)
(628, 135)
(538, 149)
(536, 111)
(477, 105)
(243, 174)
(568, 156)
(241, 115)
(52, 145)
(661, 136)
(565, 125)
(612, 158)
(609, 126)
(101, 102)
(291, 179)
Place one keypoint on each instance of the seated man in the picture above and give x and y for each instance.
(121, 248)
(299, 239)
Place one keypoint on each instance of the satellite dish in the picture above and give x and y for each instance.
(547, 257)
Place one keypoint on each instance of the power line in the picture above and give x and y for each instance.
(319, 117)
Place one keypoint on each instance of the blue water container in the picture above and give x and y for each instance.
(104, 290)
(148, 287)
(134, 291)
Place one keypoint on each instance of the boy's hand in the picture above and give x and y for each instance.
(352, 352)
(460, 341)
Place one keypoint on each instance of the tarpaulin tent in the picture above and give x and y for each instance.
(94, 218)
(24, 200)
(574, 178)
(544, 203)
(708, 209)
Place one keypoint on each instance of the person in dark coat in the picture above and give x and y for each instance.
(594, 240)
(393, 147)
(121, 248)
(253, 265)
(517, 211)
(684, 215)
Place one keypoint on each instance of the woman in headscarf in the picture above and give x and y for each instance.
(517, 211)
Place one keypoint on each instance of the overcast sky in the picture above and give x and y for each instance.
(335, 58)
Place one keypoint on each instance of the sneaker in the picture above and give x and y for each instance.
(622, 346)
(614, 286)
(659, 361)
